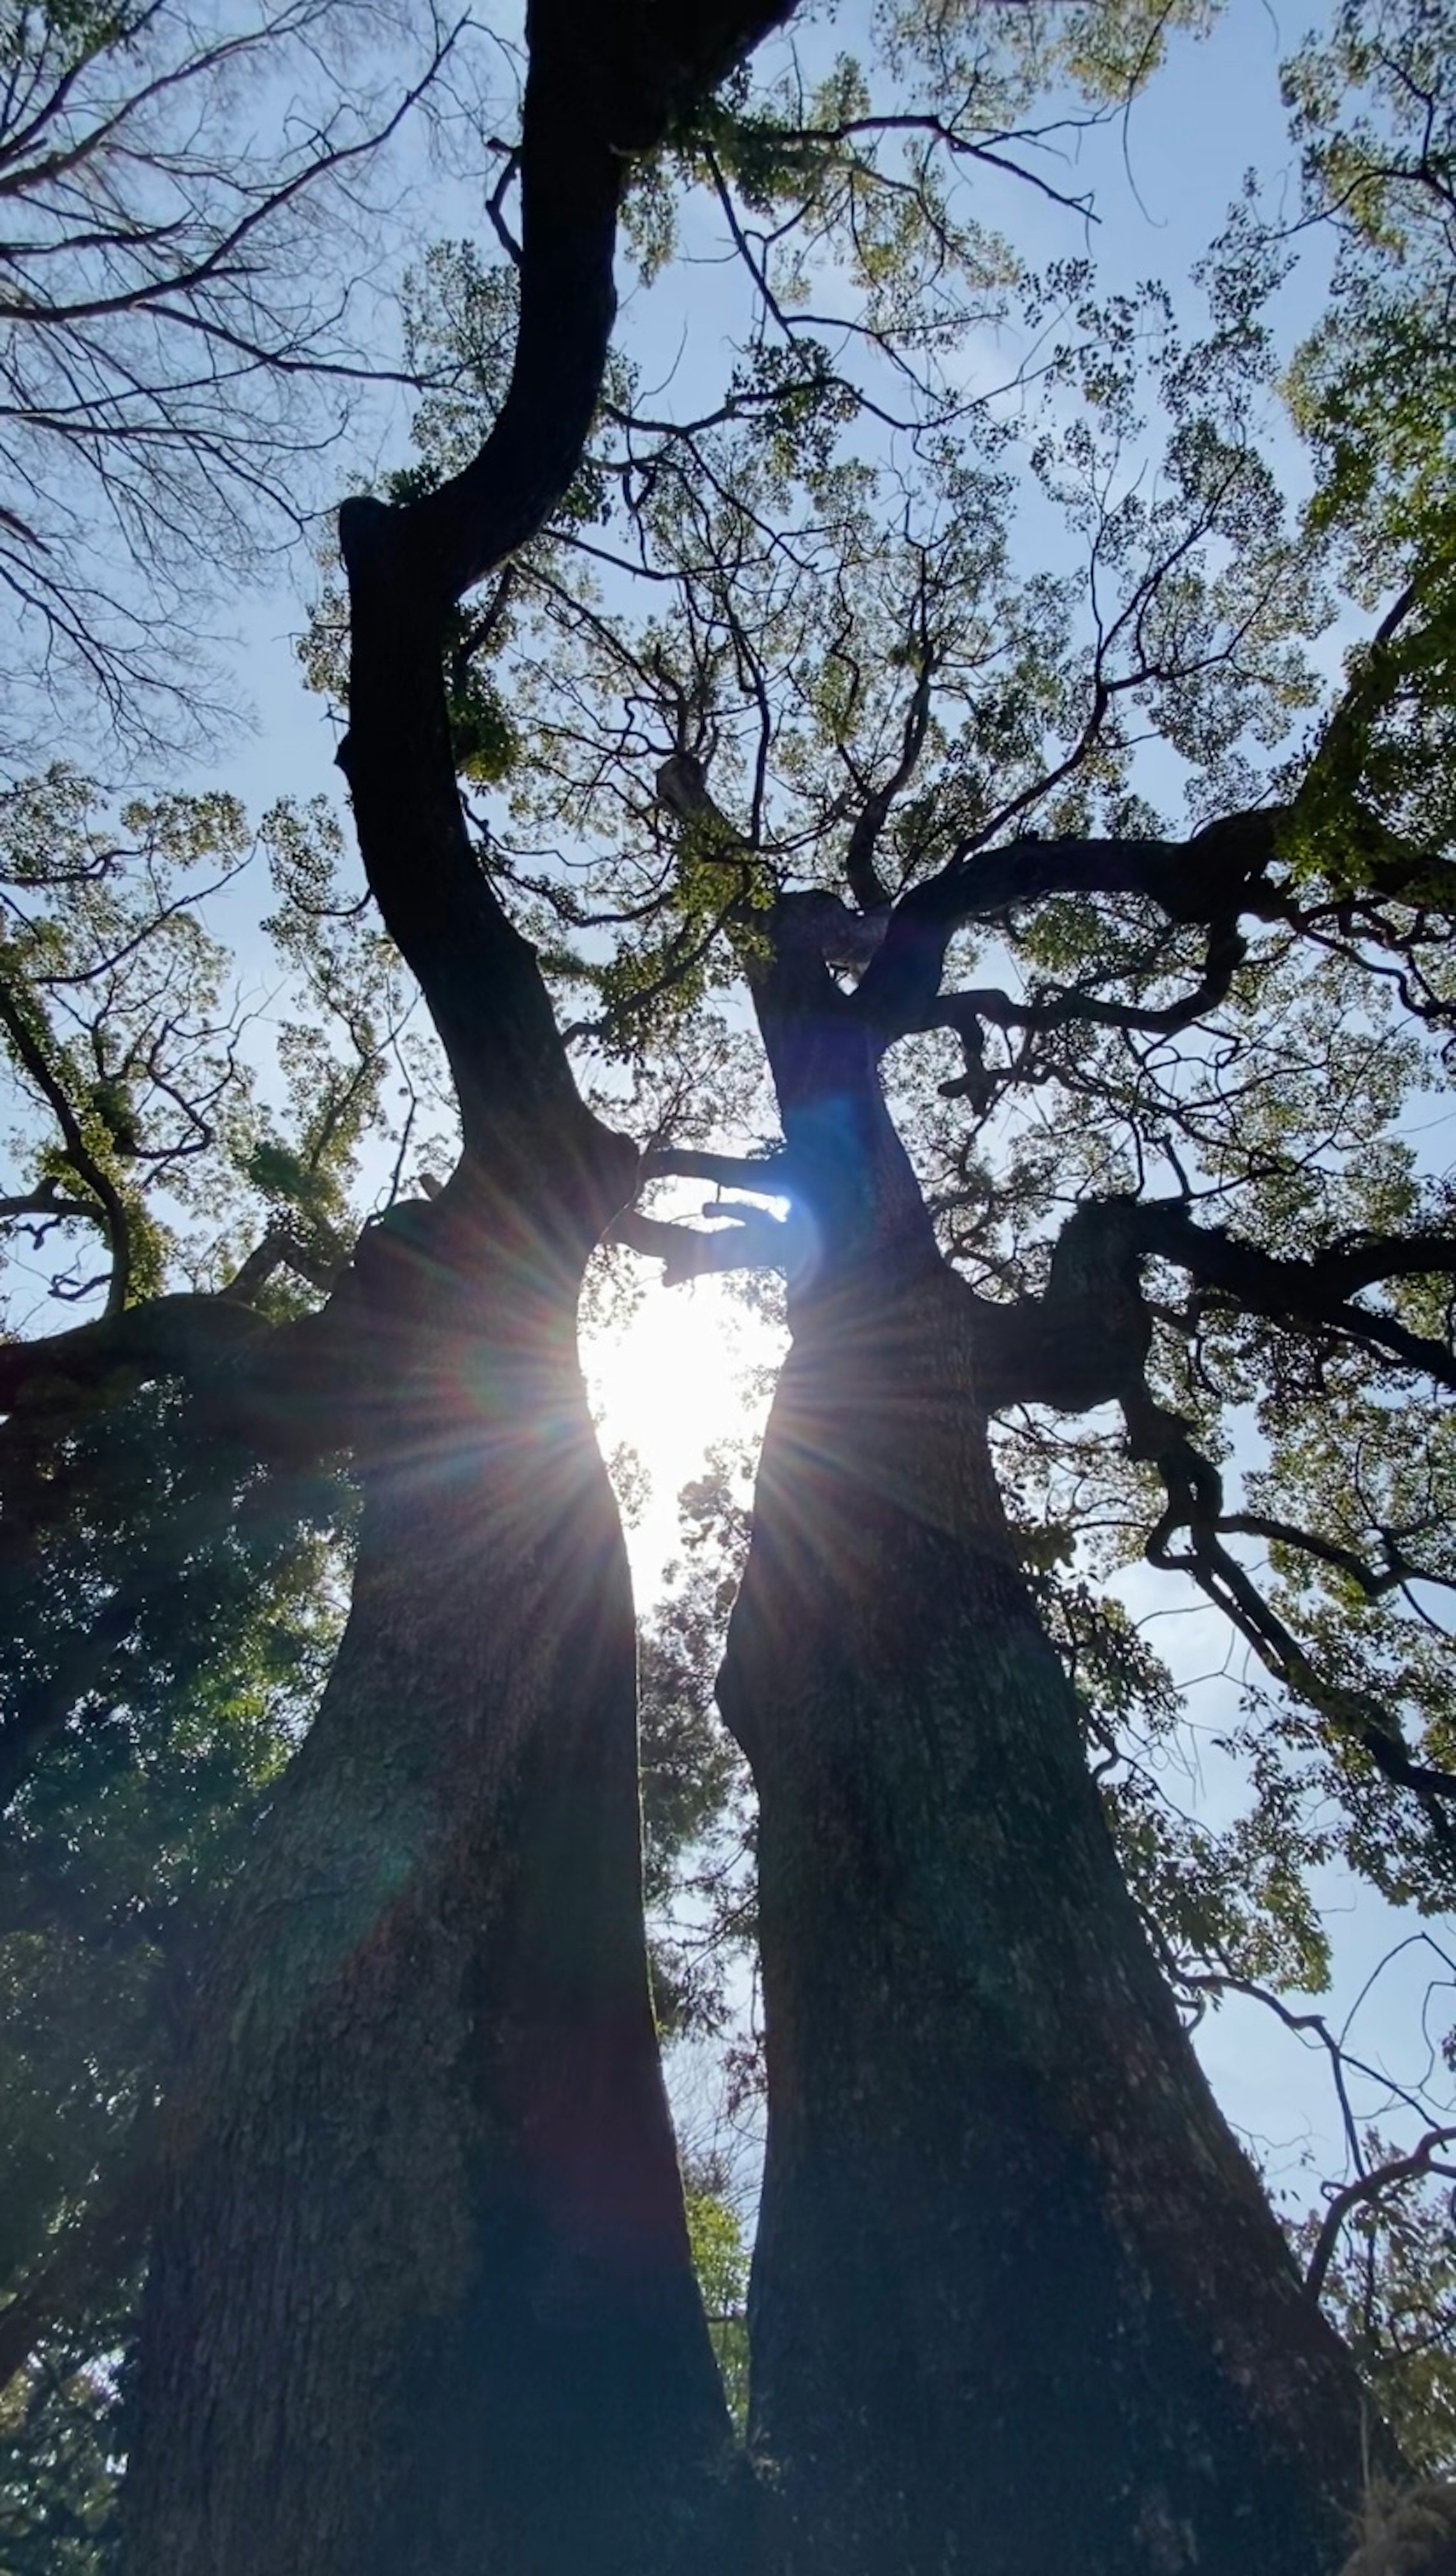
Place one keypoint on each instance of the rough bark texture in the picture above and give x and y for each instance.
(1019, 2306)
(422, 2298)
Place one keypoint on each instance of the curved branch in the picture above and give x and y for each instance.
(46, 1206)
(1210, 878)
(1226, 952)
(1194, 1490)
(603, 82)
(1371, 2186)
(1280, 1533)
(1313, 1293)
(1083, 1342)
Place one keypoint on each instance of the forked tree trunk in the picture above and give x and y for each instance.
(422, 2303)
(1019, 2306)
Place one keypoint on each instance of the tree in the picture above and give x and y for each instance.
(419, 2177)
(435, 2066)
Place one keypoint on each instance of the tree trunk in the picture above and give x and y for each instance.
(1019, 2305)
(422, 2302)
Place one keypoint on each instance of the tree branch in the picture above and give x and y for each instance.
(1085, 1341)
(753, 1240)
(1315, 1292)
(1226, 952)
(178, 1336)
(46, 1204)
(861, 874)
(110, 1206)
(767, 1173)
(1207, 879)
(1371, 2186)
(1194, 1490)
(603, 82)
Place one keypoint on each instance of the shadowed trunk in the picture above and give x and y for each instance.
(422, 2300)
(1019, 2306)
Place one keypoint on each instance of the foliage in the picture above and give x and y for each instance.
(1392, 2290)
(172, 1601)
(721, 2260)
(112, 1011)
(172, 1619)
(57, 2466)
(1374, 390)
(696, 1807)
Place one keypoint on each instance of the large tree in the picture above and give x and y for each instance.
(945, 1943)
(425, 2112)
(420, 2292)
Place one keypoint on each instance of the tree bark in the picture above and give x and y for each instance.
(1019, 2304)
(422, 2300)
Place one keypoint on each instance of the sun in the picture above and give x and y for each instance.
(670, 1383)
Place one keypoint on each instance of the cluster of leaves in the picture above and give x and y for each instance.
(696, 1803)
(113, 1017)
(1374, 390)
(172, 1614)
(721, 2256)
(1391, 2288)
(58, 2421)
(146, 1119)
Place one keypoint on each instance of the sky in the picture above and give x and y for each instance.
(673, 1382)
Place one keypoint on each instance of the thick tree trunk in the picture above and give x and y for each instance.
(1019, 2305)
(422, 2301)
